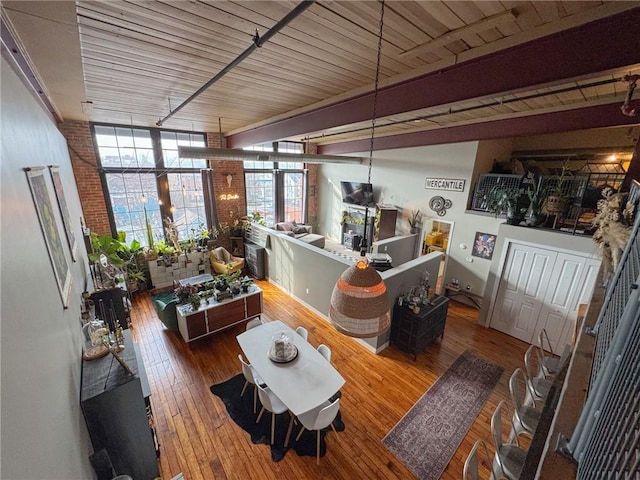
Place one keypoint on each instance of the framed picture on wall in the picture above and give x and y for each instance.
(42, 201)
(483, 245)
(64, 210)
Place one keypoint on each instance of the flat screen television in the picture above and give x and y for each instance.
(357, 193)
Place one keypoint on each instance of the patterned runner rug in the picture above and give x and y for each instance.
(428, 435)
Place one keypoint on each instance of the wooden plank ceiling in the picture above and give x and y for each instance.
(141, 59)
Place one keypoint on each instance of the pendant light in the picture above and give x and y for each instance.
(359, 302)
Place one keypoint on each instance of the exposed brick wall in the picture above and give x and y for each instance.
(85, 170)
(228, 210)
(313, 168)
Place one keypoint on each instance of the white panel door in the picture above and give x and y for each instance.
(584, 291)
(559, 302)
(522, 290)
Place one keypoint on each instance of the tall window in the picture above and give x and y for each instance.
(277, 190)
(142, 171)
(185, 185)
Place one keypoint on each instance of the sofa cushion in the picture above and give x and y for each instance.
(284, 226)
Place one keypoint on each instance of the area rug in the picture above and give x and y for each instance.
(240, 410)
(428, 435)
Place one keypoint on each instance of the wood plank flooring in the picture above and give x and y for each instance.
(198, 438)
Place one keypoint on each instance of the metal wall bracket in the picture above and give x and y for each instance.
(562, 447)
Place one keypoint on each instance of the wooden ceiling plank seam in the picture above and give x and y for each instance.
(318, 54)
(127, 89)
(296, 80)
(510, 29)
(251, 65)
(256, 63)
(337, 46)
(419, 18)
(363, 37)
(528, 18)
(443, 14)
(575, 6)
(468, 12)
(367, 15)
(277, 99)
(547, 11)
(183, 89)
(595, 47)
(402, 27)
(491, 35)
(469, 31)
(362, 58)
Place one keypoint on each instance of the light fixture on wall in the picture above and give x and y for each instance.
(360, 302)
(229, 179)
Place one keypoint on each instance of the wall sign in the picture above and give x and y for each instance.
(453, 184)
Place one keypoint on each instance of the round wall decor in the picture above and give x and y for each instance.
(440, 205)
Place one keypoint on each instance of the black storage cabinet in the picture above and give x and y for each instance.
(413, 332)
(118, 413)
(254, 258)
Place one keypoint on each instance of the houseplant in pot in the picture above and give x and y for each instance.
(556, 201)
(537, 197)
(506, 200)
(414, 221)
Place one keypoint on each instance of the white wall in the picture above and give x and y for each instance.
(42, 431)
(398, 178)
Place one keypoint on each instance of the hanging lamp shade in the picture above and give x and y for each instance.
(360, 303)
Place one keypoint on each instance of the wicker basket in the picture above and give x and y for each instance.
(555, 205)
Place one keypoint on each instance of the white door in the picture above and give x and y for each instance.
(566, 279)
(540, 289)
(522, 290)
(583, 293)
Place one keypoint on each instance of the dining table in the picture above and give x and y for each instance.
(303, 383)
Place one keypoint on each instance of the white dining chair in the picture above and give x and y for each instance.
(550, 363)
(273, 404)
(325, 352)
(302, 332)
(317, 419)
(525, 418)
(509, 458)
(249, 379)
(470, 470)
(537, 384)
(256, 322)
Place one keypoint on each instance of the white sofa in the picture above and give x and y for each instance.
(301, 232)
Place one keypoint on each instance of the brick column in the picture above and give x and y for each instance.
(85, 171)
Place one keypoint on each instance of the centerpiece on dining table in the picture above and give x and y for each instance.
(282, 348)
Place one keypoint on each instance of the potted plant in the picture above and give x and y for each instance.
(194, 300)
(245, 283)
(537, 197)
(501, 200)
(415, 220)
(556, 202)
(184, 292)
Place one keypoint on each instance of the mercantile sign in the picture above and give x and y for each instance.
(453, 184)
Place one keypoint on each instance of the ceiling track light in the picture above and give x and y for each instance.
(249, 155)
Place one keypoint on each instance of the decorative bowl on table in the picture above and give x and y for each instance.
(282, 348)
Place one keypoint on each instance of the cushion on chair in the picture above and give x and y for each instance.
(220, 258)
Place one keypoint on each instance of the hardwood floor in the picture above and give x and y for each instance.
(198, 438)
